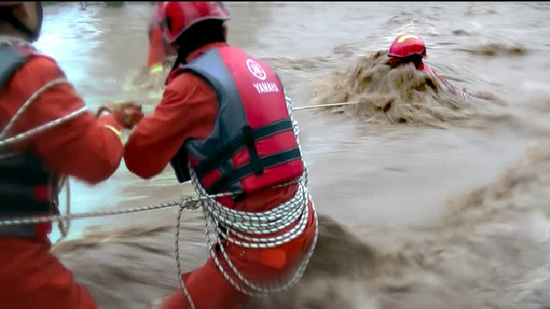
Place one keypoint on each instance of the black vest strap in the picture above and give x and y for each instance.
(243, 140)
(241, 172)
(23, 169)
(255, 162)
(20, 176)
(179, 164)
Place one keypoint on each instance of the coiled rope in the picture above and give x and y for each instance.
(239, 225)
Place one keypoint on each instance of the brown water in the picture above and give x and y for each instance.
(388, 183)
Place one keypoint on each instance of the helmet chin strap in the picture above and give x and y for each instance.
(32, 34)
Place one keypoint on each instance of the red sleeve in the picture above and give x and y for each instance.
(187, 110)
(83, 147)
(454, 90)
(156, 48)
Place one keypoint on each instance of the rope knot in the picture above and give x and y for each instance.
(190, 203)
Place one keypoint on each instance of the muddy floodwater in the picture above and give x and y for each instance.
(426, 201)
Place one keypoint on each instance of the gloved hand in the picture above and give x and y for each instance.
(127, 113)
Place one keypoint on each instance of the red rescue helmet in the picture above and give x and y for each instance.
(407, 45)
(177, 17)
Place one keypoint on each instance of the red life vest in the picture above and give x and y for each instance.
(252, 145)
(452, 89)
(26, 185)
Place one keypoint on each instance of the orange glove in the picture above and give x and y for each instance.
(127, 113)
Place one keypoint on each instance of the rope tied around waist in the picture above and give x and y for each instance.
(235, 227)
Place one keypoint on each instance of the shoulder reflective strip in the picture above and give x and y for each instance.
(157, 68)
(117, 132)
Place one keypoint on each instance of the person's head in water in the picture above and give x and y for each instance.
(21, 19)
(407, 48)
(190, 25)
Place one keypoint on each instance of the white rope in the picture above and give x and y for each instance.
(32, 132)
(178, 264)
(40, 129)
(57, 218)
(29, 101)
(65, 226)
(35, 131)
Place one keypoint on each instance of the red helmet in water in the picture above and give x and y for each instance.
(177, 17)
(407, 45)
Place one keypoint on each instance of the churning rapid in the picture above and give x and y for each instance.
(400, 95)
(425, 201)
